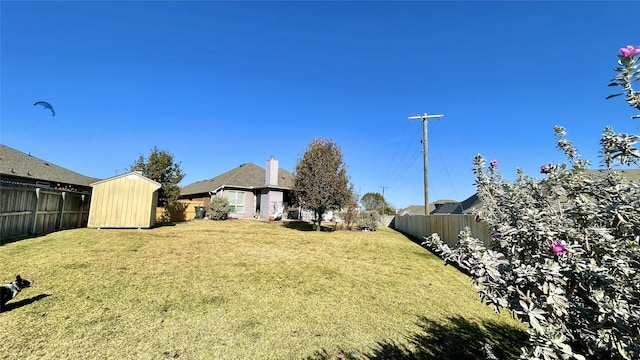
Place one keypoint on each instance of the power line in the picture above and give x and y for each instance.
(404, 170)
(447, 171)
(394, 166)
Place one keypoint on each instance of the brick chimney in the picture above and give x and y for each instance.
(272, 172)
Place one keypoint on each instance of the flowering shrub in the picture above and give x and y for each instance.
(565, 250)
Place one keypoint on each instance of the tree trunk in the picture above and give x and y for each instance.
(318, 221)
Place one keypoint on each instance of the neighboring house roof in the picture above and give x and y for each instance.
(456, 207)
(448, 208)
(415, 209)
(630, 174)
(16, 164)
(247, 175)
(412, 210)
(473, 202)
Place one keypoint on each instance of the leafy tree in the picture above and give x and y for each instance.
(160, 166)
(565, 250)
(375, 201)
(390, 209)
(321, 182)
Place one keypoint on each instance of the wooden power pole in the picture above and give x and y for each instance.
(425, 147)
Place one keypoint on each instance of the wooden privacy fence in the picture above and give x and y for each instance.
(188, 214)
(447, 226)
(28, 211)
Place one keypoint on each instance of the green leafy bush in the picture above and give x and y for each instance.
(218, 208)
(565, 250)
(368, 220)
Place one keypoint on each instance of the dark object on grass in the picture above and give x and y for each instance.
(9, 291)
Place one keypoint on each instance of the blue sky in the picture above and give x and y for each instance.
(219, 84)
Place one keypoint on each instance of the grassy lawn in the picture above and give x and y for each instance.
(242, 290)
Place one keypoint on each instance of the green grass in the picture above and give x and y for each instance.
(242, 290)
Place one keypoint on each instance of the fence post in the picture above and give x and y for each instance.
(81, 211)
(63, 195)
(35, 212)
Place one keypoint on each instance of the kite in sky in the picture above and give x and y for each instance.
(46, 105)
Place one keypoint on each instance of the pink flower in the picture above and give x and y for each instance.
(629, 51)
(545, 169)
(558, 247)
(494, 163)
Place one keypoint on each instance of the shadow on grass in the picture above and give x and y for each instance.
(164, 224)
(455, 339)
(434, 252)
(307, 226)
(23, 237)
(21, 303)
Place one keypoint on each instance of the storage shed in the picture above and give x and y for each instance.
(124, 201)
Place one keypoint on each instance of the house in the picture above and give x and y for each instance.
(124, 201)
(252, 191)
(21, 169)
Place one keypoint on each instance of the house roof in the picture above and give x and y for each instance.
(472, 202)
(247, 175)
(419, 209)
(16, 164)
(412, 210)
(458, 207)
(454, 207)
(630, 174)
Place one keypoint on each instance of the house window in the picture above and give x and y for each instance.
(236, 201)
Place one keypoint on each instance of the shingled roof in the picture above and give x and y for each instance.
(15, 164)
(473, 202)
(247, 175)
(629, 174)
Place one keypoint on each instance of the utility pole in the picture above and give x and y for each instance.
(425, 147)
(383, 200)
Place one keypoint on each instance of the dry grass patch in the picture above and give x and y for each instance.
(241, 290)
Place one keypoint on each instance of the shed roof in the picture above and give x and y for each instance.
(248, 175)
(129, 175)
(15, 163)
